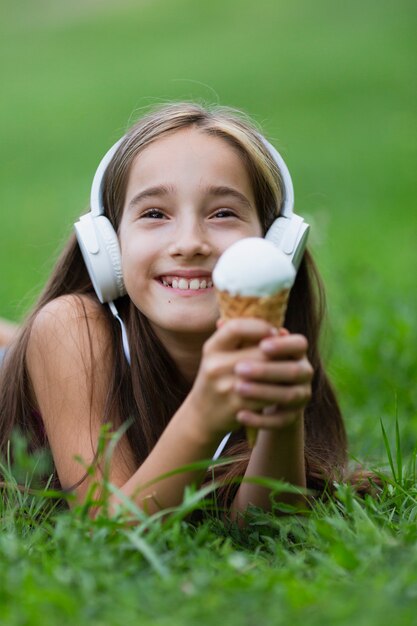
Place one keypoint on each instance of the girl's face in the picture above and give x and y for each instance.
(188, 198)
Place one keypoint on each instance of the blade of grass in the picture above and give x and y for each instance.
(398, 448)
(388, 450)
(148, 553)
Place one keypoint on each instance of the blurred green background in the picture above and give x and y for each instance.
(332, 83)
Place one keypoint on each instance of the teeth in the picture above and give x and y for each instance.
(184, 284)
(194, 283)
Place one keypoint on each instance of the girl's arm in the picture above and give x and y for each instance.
(279, 372)
(279, 449)
(279, 455)
(70, 363)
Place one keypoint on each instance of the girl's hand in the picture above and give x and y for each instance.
(237, 382)
(283, 381)
(214, 398)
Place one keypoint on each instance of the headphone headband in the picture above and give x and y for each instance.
(287, 207)
(96, 195)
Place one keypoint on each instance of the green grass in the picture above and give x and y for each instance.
(334, 86)
(347, 561)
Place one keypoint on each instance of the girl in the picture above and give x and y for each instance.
(182, 186)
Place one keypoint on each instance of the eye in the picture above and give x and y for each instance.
(222, 213)
(154, 214)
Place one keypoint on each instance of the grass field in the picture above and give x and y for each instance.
(333, 85)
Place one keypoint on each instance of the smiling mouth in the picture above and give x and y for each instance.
(185, 284)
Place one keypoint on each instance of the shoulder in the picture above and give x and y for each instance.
(69, 328)
(70, 365)
(73, 308)
(70, 317)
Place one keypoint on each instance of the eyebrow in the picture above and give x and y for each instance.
(151, 192)
(228, 191)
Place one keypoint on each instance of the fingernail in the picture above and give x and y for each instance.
(243, 368)
(267, 345)
(241, 416)
(242, 387)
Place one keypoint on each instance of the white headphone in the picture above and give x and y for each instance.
(100, 246)
(98, 240)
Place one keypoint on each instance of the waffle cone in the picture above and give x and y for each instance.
(269, 308)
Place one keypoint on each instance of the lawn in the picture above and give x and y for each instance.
(333, 85)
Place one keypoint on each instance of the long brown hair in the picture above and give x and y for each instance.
(131, 392)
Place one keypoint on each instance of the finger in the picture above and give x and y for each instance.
(219, 367)
(283, 372)
(285, 347)
(286, 397)
(233, 334)
(273, 421)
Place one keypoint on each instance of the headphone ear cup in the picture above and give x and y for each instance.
(290, 235)
(101, 252)
(112, 246)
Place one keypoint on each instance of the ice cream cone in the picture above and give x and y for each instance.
(253, 278)
(269, 308)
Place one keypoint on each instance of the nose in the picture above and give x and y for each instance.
(190, 240)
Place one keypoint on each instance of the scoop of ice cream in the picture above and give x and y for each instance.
(253, 267)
